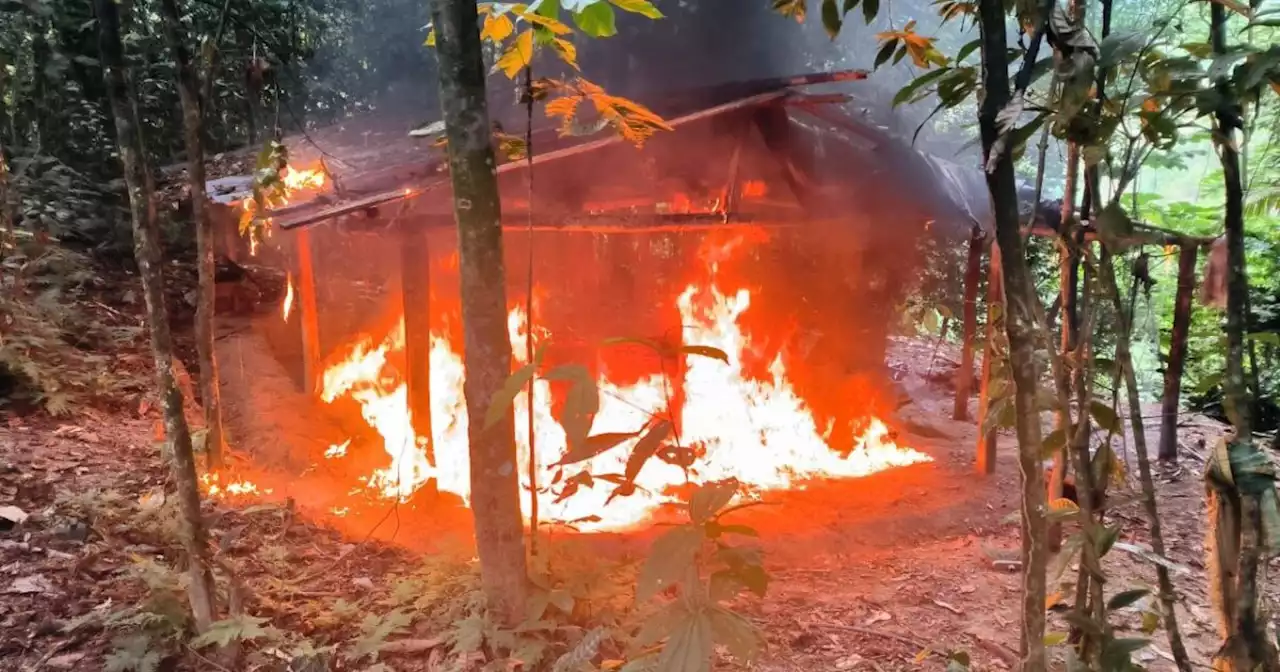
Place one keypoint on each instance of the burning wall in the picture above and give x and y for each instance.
(798, 296)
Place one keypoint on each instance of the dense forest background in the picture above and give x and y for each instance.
(283, 66)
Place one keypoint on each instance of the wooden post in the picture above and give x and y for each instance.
(415, 296)
(972, 274)
(1177, 351)
(307, 312)
(986, 462)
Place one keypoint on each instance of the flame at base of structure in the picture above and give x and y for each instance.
(759, 431)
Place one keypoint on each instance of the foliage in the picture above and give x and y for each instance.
(53, 339)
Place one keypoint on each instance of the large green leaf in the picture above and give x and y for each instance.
(740, 636)
(691, 644)
(708, 499)
(594, 445)
(1106, 417)
(1126, 598)
(1119, 46)
(671, 556)
(831, 18)
(646, 447)
(501, 401)
(596, 20)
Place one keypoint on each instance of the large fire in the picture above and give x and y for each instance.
(759, 431)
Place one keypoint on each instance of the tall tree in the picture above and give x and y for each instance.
(146, 249)
(495, 490)
(193, 132)
(1237, 518)
(1020, 321)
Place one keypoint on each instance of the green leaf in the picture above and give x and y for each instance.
(831, 19)
(969, 47)
(646, 447)
(709, 498)
(1119, 46)
(1107, 537)
(242, 628)
(1053, 443)
(690, 646)
(671, 556)
(1054, 638)
(506, 396)
(882, 56)
(594, 445)
(905, 93)
(1265, 337)
(1208, 382)
(706, 351)
(794, 9)
(870, 8)
(1126, 598)
(735, 633)
(1105, 416)
(642, 7)
(596, 20)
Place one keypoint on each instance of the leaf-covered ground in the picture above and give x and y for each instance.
(890, 572)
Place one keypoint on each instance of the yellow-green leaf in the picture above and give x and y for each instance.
(642, 7)
(551, 24)
(518, 55)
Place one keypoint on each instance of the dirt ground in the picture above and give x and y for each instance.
(866, 574)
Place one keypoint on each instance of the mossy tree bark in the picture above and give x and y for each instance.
(146, 249)
(495, 494)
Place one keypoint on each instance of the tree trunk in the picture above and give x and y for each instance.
(1246, 647)
(986, 453)
(193, 132)
(1020, 324)
(495, 492)
(1124, 359)
(415, 292)
(1177, 352)
(146, 240)
(1068, 266)
(964, 375)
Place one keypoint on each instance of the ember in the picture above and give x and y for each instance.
(759, 431)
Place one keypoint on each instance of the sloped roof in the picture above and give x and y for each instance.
(834, 156)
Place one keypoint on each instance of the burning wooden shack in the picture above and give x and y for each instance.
(738, 276)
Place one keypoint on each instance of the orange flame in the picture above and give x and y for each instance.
(758, 431)
(287, 306)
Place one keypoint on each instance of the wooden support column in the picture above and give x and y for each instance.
(415, 296)
(1177, 351)
(986, 449)
(972, 275)
(307, 311)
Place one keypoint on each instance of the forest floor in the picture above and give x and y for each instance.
(866, 574)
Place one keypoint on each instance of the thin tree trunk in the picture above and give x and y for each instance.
(495, 490)
(1068, 263)
(986, 446)
(1168, 596)
(1020, 324)
(1177, 352)
(1246, 647)
(193, 133)
(964, 375)
(146, 239)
